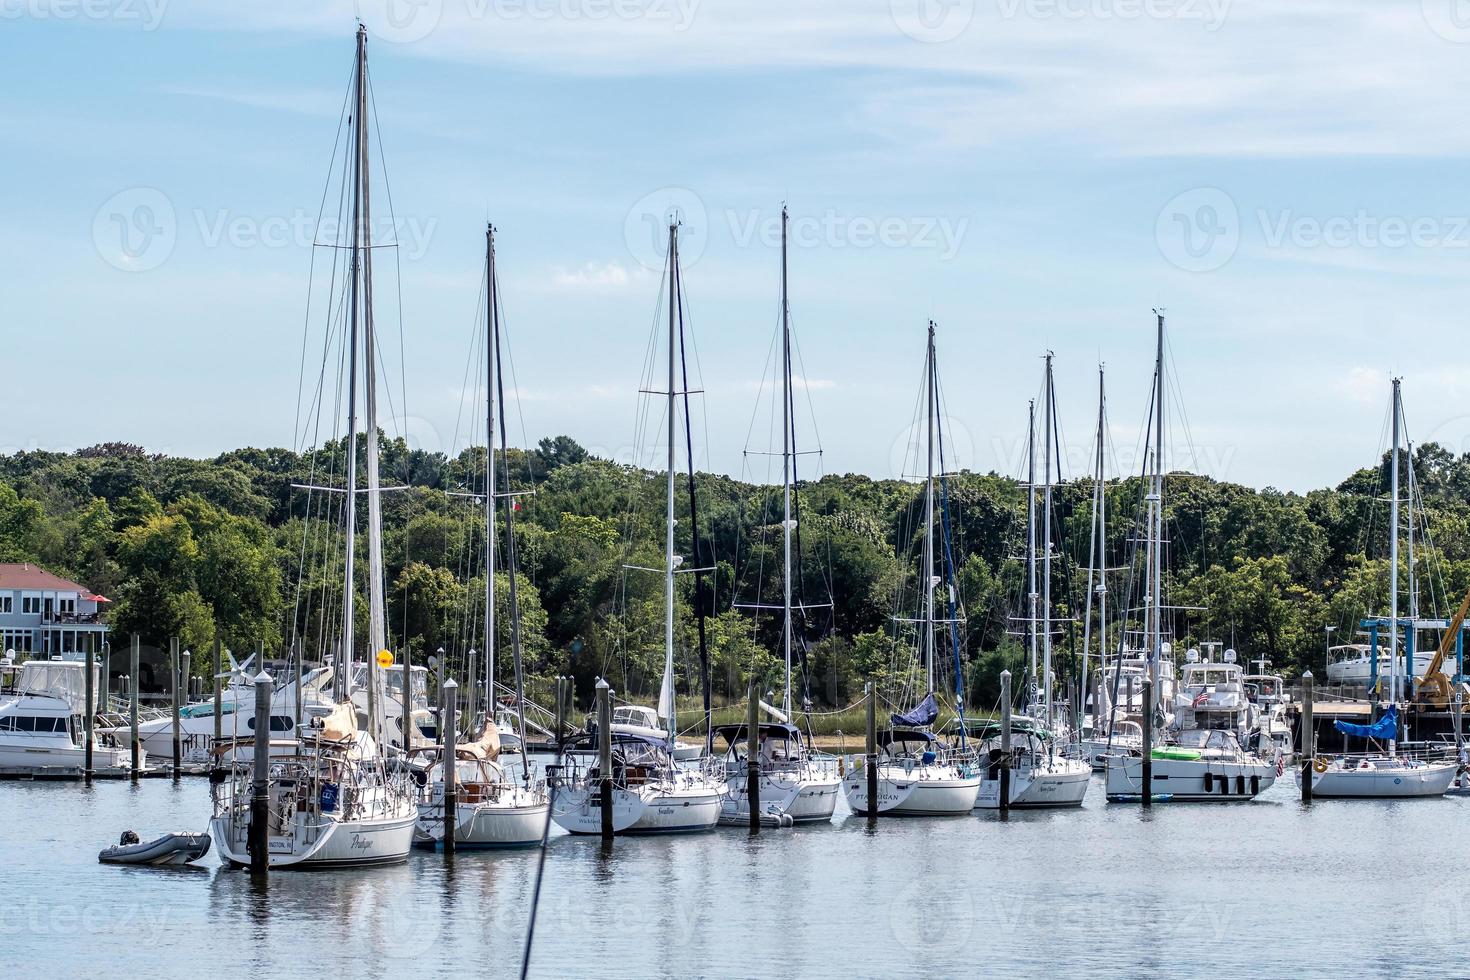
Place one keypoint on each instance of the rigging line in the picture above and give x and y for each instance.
(699, 603)
(397, 252)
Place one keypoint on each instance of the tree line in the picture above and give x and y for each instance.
(233, 547)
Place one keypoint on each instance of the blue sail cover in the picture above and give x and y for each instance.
(921, 716)
(1384, 728)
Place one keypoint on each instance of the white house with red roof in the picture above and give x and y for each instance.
(45, 615)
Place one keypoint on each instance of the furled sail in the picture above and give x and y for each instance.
(919, 717)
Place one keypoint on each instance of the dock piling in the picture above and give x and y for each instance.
(1308, 737)
(258, 841)
(448, 763)
(137, 746)
(752, 760)
(89, 716)
(1148, 742)
(1005, 741)
(177, 704)
(604, 758)
(871, 759)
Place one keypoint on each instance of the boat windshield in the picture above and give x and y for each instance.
(59, 678)
(1209, 738)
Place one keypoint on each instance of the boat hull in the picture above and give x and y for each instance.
(329, 844)
(809, 799)
(483, 825)
(1387, 782)
(913, 793)
(1190, 780)
(1063, 785)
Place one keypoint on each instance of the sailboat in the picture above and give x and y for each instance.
(920, 774)
(334, 801)
(651, 792)
(494, 806)
(1041, 774)
(1385, 775)
(1202, 764)
(795, 781)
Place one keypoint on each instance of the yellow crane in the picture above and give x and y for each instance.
(1435, 688)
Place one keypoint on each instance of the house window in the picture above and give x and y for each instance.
(7, 603)
(30, 605)
(66, 605)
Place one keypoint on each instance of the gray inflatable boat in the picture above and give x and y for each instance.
(176, 848)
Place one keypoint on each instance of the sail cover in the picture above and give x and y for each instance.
(921, 716)
(1384, 728)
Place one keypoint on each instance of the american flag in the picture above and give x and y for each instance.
(1201, 698)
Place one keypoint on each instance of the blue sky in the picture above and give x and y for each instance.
(1288, 180)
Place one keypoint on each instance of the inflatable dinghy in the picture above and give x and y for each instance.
(176, 848)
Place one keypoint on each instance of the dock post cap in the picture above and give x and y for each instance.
(1005, 673)
(603, 685)
(450, 685)
(262, 678)
(1306, 675)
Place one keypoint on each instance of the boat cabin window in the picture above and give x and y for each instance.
(278, 723)
(29, 723)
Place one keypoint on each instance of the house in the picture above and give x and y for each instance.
(44, 615)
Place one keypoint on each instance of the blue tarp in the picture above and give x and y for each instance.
(1384, 728)
(921, 716)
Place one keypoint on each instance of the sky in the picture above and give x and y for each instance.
(1285, 179)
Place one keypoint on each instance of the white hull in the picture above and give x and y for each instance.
(30, 756)
(658, 809)
(483, 825)
(918, 792)
(1201, 780)
(1383, 782)
(326, 844)
(1360, 671)
(1062, 784)
(809, 799)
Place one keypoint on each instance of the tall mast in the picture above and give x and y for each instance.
(1046, 543)
(1393, 562)
(787, 525)
(1156, 523)
(931, 408)
(666, 693)
(377, 631)
(497, 378)
(1031, 595)
(1097, 563)
(344, 665)
(492, 334)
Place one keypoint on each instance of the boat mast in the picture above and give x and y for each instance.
(377, 631)
(787, 524)
(931, 408)
(666, 692)
(492, 335)
(498, 379)
(1046, 543)
(1393, 565)
(344, 665)
(1156, 523)
(1096, 549)
(1031, 549)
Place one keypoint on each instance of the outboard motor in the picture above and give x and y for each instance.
(128, 837)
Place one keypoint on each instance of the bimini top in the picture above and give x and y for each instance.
(906, 735)
(733, 734)
(990, 727)
(587, 741)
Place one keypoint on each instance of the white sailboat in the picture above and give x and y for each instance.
(1385, 775)
(494, 806)
(1042, 775)
(1195, 764)
(334, 801)
(794, 779)
(652, 793)
(919, 774)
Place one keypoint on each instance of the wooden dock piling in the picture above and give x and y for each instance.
(447, 762)
(258, 840)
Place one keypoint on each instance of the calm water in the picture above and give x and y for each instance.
(1345, 888)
